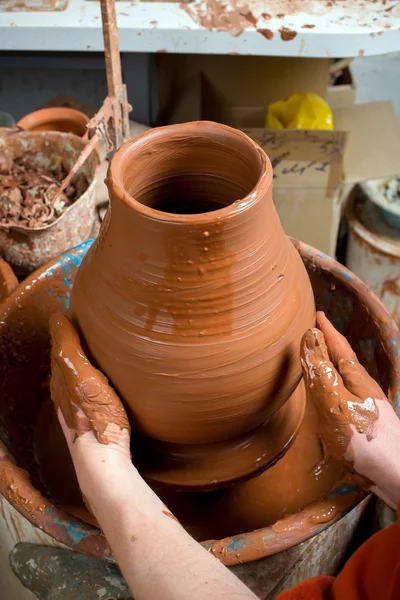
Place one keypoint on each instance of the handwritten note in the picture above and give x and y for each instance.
(307, 169)
(303, 157)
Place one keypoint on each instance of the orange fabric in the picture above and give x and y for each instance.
(372, 573)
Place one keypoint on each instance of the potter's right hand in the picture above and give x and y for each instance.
(357, 423)
(92, 416)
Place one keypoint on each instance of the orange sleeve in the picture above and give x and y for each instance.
(372, 573)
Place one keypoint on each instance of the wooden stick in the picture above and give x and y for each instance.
(111, 47)
(81, 160)
(116, 105)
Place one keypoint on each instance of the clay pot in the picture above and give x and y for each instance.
(63, 119)
(193, 302)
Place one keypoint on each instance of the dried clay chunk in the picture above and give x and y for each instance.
(28, 194)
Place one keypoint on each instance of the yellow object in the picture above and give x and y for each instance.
(300, 111)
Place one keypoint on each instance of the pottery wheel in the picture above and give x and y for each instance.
(268, 444)
(211, 466)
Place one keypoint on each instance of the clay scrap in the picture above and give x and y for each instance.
(28, 194)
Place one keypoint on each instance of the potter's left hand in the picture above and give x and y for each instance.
(139, 528)
(92, 416)
(357, 422)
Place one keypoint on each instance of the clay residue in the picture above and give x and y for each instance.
(248, 15)
(221, 16)
(21, 492)
(27, 6)
(298, 479)
(391, 285)
(317, 513)
(80, 391)
(340, 410)
(228, 16)
(169, 514)
(267, 33)
(29, 194)
(287, 34)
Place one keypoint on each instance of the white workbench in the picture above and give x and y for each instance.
(325, 28)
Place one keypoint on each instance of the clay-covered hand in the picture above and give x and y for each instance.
(88, 408)
(357, 423)
(135, 521)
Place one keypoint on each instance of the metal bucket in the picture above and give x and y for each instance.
(266, 560)
(27, 249)
(373, 251)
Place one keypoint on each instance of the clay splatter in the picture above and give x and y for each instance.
(267, 33)
(221, 16)
(287, 34)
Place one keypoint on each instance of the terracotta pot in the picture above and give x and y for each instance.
(63, 119)
(193, 302)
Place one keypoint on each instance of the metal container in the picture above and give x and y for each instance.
(373, 251)
(266, 560)
(385, 193)
(25, 248)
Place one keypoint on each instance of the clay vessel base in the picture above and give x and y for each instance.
(195, 467)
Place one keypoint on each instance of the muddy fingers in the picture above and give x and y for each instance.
(81, 392)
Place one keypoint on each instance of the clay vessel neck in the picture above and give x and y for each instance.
(191, 207)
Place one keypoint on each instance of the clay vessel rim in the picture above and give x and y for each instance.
(51, 113)
(114, 180)
(92, 184)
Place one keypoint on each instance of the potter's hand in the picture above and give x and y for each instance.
(357, 423)
(139, 528)
(88, 408)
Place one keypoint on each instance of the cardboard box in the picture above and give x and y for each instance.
(237, 81)
(343, 93)
(307, 170)
(310, 201)
(373, 147)
(249, 82)
(307, 181)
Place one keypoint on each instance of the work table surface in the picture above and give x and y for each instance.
(337, 28)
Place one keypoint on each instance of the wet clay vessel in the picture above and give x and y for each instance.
(193, 302)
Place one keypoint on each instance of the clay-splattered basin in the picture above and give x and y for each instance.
(24, 367)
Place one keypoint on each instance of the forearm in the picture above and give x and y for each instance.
(156, 555)
(378, 459)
